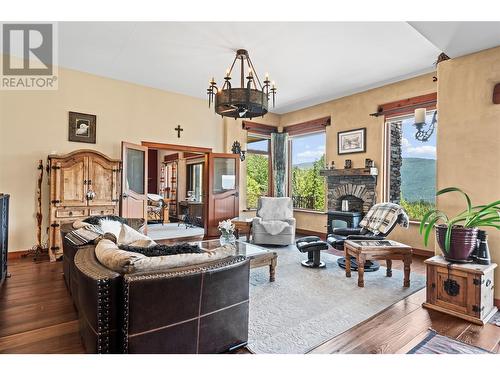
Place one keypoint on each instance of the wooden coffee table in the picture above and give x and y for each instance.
(387, 250)
(259, 256)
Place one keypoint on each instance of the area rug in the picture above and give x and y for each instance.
(437, 344)
(173, 230)
(304, 307)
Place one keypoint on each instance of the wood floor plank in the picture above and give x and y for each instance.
(365, 331)
(34, 337)
(486, 337)
(37, 316)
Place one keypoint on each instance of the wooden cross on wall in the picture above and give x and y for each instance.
(179, 130)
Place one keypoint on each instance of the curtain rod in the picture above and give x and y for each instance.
(397, 109)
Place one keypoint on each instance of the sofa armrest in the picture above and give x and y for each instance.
(346, 231)
(99, 290)
(291, 221)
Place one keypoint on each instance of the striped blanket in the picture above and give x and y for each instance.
(383, 216)
(84, 235)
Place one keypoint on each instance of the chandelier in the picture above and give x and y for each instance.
(247, 101)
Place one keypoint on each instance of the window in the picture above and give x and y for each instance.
(195, 180)
(411, 177)
(307, 159)
(258, 165)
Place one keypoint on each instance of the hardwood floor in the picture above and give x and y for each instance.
(37, 316)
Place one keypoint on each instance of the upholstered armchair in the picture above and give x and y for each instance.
(274, 223)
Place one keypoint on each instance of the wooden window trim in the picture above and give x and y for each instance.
(260, 129)
(308, 127)
(406, 106)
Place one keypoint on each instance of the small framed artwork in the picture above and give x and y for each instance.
(81, 127)
(351, 141)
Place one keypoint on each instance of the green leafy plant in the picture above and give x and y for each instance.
(473, 216)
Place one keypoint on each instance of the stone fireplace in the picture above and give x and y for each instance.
(357, 185)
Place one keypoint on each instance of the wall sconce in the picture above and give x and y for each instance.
(423, 134)
(236, 149)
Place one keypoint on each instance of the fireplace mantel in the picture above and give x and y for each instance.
(349, 172)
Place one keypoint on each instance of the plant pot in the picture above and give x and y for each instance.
(462, 242)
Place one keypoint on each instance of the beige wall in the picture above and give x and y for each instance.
(469, 135)
(353, 112)
(33, 124)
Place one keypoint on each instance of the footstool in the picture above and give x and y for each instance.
(312, 245)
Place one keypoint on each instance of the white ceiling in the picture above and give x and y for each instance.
(310, 62)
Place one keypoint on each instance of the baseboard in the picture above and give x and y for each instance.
(16, 254)
(311, 233)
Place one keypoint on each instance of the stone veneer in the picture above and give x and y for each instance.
(396, 161)
(359, 190)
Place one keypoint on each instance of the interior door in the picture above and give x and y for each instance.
(134, 180)
(71, 182)
(223, 190)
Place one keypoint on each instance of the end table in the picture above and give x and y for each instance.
(387, 250)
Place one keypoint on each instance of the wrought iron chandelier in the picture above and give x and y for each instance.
(424, 131)
(249, 100)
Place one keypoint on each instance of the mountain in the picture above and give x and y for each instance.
(418, 179)
(306, 165)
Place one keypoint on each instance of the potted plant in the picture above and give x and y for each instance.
(457, 236)
(226, 229)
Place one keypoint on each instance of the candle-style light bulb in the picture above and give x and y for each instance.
(227, 72)
(250, 73)
(267, 76)
(274, 84)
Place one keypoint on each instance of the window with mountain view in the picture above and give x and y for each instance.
(307, 159)
(412, 169)
(257, 161)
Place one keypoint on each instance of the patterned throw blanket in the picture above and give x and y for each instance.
(383, 216)
(85, 235)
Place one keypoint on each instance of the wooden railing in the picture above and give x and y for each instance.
(304, 202)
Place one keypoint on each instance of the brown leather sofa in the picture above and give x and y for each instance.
(196, 309)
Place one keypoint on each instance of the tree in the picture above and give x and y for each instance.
(257, 178)
(307, 183)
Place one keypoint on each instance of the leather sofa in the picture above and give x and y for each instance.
(194, 309)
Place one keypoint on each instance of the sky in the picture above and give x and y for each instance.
(413, 148)
(308, 149)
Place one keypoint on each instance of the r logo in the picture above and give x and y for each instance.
(27, 49)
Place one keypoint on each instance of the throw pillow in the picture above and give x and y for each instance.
(129, 236)
(115, 259)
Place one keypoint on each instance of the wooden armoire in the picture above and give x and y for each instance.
(82, 183)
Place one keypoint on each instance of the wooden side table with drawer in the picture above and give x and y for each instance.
(463, 290)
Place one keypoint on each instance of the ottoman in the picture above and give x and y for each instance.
(312, 245)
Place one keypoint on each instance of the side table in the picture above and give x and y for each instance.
(243, 225)
(387, 250)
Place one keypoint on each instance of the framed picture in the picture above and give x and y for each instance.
(81, 127)
(351, 141)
